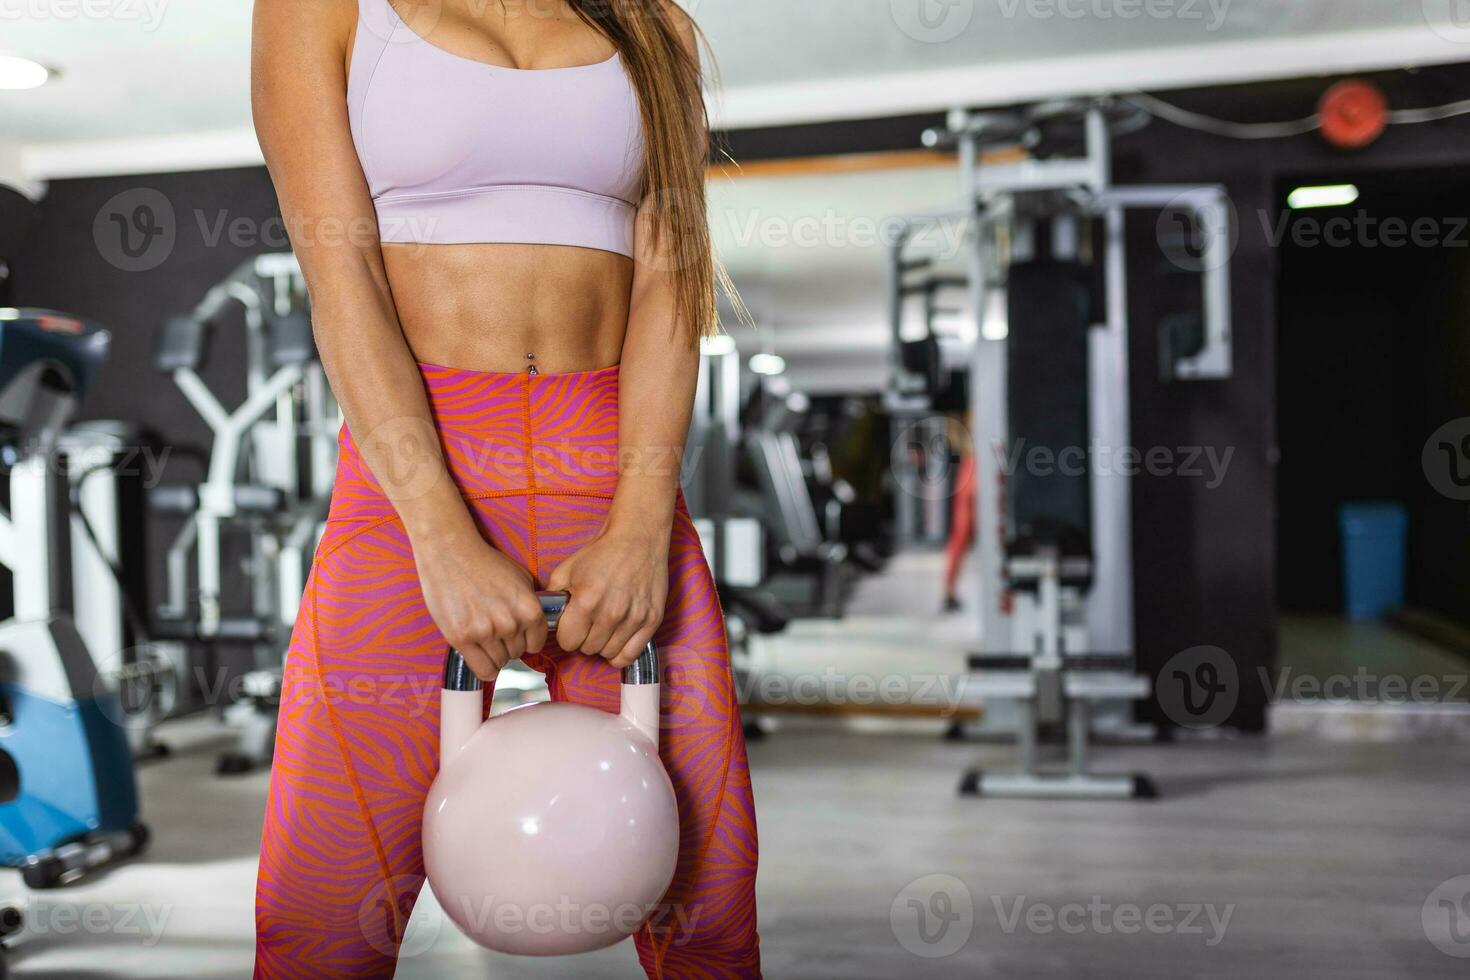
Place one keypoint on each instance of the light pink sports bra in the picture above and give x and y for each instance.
(459, 151)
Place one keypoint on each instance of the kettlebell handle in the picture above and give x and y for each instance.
(644, 670)
(460, 702)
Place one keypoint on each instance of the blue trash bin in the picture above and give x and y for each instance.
(1374, 542)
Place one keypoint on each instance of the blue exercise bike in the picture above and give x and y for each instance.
(68, 798)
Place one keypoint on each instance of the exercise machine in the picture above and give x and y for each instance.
(734, 542)
(68, 800)
(271, 462)
(1049, 371)
(108, 467)
(784, 502)
(859, 524)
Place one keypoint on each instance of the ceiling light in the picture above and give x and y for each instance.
(767, 364)
(1330, 196)
(21, 73)
(718, 344)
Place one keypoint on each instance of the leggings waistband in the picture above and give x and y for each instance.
(506, 433)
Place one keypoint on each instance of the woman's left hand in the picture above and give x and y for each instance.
(619, 583)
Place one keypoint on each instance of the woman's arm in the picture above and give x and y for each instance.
(482, 602)
(620, 581)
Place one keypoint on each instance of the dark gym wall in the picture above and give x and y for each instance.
(1375, 355)
(1224, 543)
(17, 215)
(72, 261)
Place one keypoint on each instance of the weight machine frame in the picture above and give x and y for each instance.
(1037, 653)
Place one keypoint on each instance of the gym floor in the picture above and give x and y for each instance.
(1321, 853)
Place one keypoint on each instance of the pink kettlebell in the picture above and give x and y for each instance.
(552, 828)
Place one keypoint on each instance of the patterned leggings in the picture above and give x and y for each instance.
(357, 747)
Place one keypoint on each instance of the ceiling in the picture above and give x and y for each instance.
(809, 255)
(163, 84)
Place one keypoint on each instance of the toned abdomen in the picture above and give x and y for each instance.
(485, 307)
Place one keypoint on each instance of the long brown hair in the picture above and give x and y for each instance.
(665, 73)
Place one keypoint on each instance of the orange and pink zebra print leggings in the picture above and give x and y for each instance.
(357, 747)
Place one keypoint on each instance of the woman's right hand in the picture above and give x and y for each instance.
(483, 602)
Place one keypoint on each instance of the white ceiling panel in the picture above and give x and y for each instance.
(144, 79)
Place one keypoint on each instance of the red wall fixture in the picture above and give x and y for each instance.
(1354, 113)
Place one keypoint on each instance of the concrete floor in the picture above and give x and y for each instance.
(1323, 855)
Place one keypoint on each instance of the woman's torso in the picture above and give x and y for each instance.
(435, 113)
